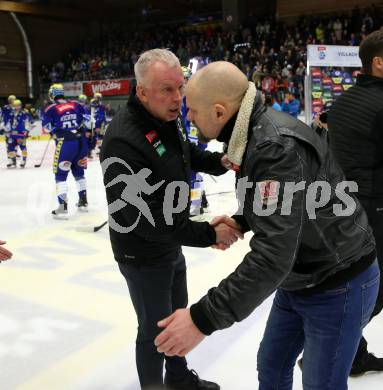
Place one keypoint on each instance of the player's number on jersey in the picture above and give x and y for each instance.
(72, 124)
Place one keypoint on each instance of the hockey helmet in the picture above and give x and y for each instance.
(55, 91)
(82, 98)
(97, 96)
(11, 99)
(16, 103)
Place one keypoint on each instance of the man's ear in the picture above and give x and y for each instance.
(141, 93)
(378, 63)
(220, 113)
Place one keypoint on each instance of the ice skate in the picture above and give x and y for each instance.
(82, 204)
(61, 212)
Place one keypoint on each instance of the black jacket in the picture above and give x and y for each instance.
(292, 251)
(356, 134)
(142, 141)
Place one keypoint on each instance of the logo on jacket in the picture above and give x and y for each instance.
(157, 145)
(151, 136)
(269, 191)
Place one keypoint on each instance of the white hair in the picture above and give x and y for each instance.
(150, 57)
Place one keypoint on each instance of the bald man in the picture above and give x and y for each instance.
(311, 244)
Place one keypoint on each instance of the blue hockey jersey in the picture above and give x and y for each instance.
(6, 112)
(99, 116)
(18, 124)
(87, 119)
(64, 119)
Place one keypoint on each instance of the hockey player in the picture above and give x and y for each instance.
(64, 119)
(17, 130)
(198, 198)
(83, 100)
(6, 111)
(98, 122)
(87, 124)
(33, 114)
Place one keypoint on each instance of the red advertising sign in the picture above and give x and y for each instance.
(316, 73)
(107, 87)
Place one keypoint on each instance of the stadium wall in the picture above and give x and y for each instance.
(12, 58)
(290, 9)
(50, 39)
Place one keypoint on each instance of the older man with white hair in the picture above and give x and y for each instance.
(145, 152)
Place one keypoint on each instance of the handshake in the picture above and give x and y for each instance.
(5, 254)
(227, 231)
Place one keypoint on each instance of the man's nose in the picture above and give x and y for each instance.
(178, 95)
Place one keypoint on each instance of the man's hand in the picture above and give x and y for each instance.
(5, 254)
(225, 162)
(226, 235)
(228, 225)
(180, 335)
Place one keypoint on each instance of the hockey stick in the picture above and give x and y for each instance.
(91, 229)
(45, 152)
(92, 123)
(220, 193)
(213, 178)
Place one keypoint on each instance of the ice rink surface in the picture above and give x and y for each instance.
(66, 320)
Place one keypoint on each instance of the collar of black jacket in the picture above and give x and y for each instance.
(366, 80)
(227, 130)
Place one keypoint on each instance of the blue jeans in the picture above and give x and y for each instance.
(327, 326)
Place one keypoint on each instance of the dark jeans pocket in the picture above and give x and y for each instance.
(336, 291)
(369, 295)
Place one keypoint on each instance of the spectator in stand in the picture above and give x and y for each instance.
(353, 40)
(300, 73)
(258, 75)
(291, 105)
(320, 33)
(280, 86)
(268, 84)
(337, 27)
(270, 101)
(286, 70)
(274, 48)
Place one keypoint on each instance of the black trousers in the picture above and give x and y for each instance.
(156, 292)
(374, 209)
